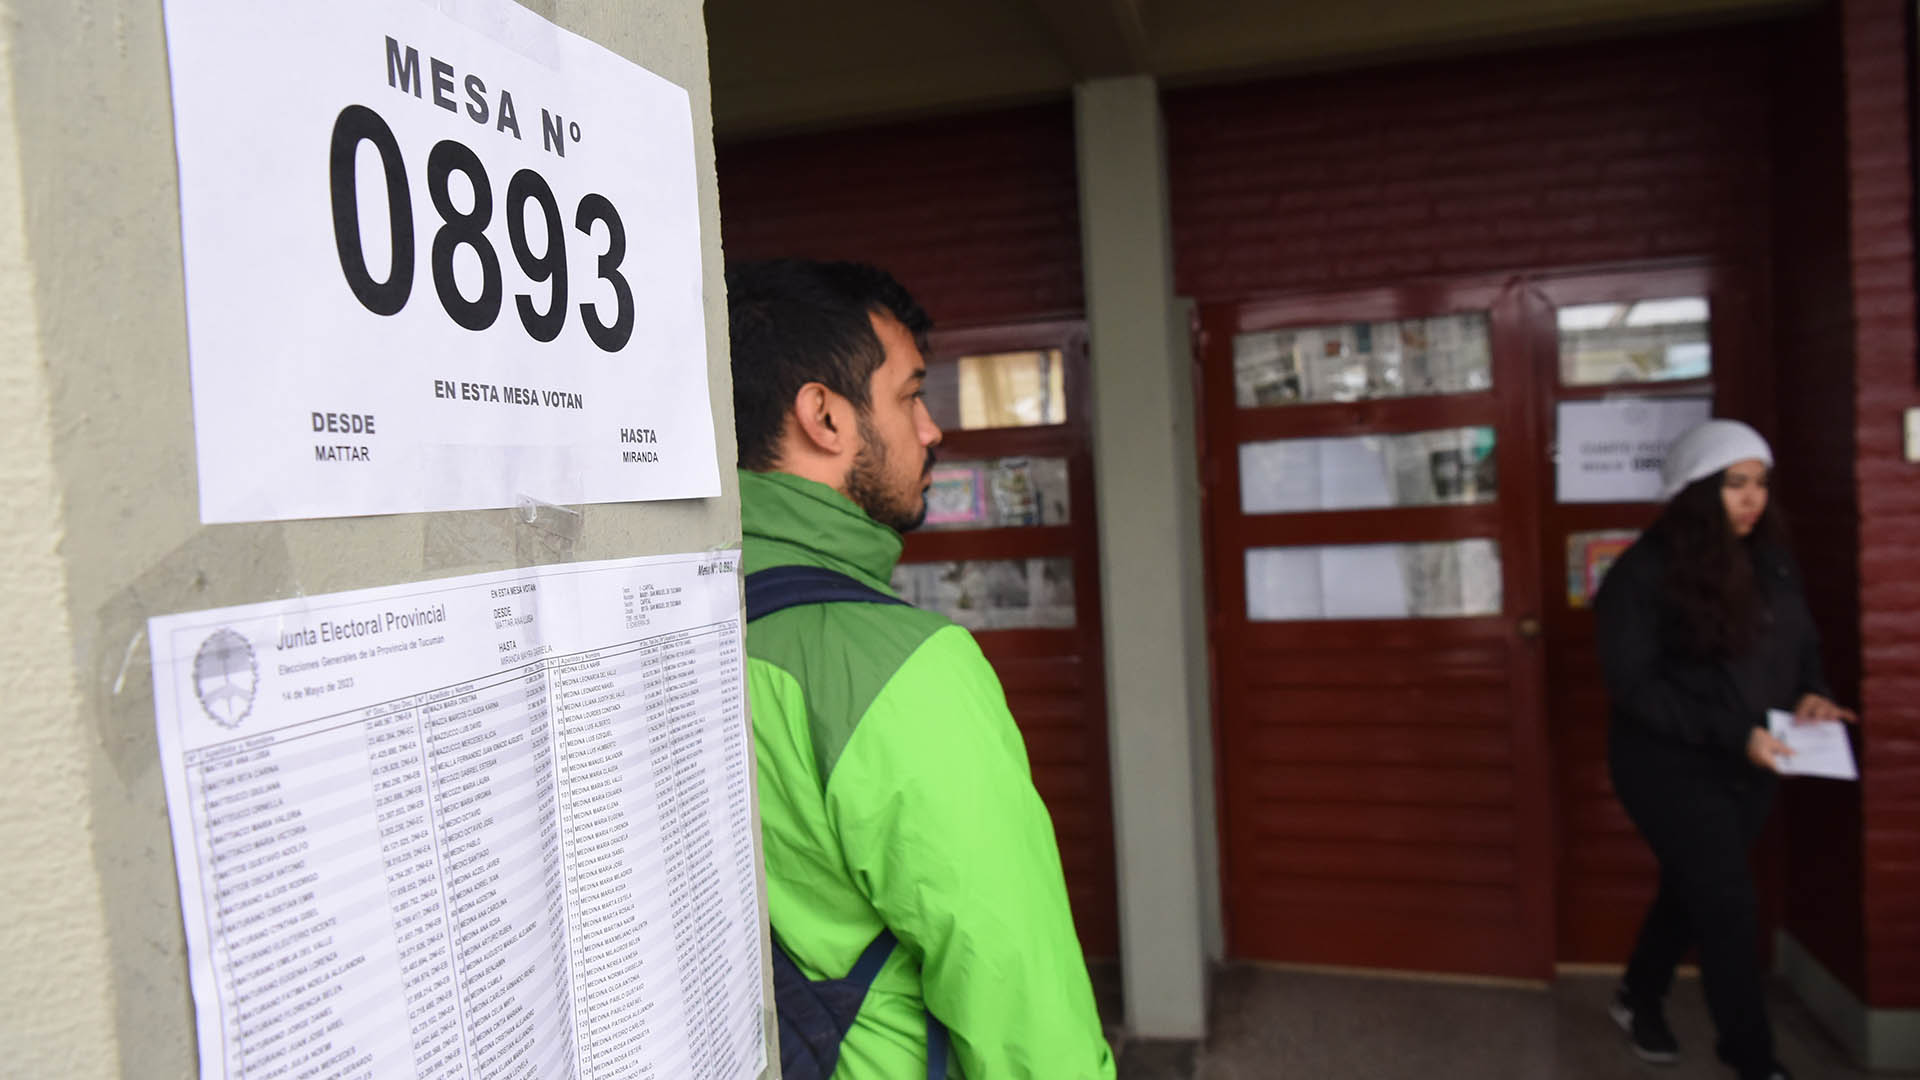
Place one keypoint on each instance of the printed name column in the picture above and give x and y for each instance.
(600, 762)
(231, 1044)
(305, 945)
(726, 690)
(415, 890)
(490, 750)
(733, 988)
(690, 730)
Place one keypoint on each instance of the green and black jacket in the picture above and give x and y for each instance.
(895, 792)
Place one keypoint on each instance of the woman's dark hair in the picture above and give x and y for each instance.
(795, 321)
(1710, 569)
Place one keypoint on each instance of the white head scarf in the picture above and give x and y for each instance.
(1708, 449)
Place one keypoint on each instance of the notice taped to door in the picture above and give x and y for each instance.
(497, 825)
(1612, 450)
(433, 263)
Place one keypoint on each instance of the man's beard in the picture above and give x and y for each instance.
(901, 511)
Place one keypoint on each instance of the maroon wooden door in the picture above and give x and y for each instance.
(1383, 761)
(1627, 339)
(1011, 550)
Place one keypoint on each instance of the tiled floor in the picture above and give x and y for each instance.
(1279, 1024)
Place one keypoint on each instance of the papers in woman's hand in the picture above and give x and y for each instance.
(1820, 747)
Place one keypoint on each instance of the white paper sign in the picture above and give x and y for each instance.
(1611, 451)
(433, 264)
(497, 825)
(1820, 747)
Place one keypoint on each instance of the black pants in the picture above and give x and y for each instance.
(1702, 821)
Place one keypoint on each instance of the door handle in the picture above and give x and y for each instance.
(1529, 627)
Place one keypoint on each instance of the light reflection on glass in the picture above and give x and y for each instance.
(1645, 341)
(1445, 579)
(992, 594)
(998, 390)
(1448, 467)
(997, 494)
(1447, 354)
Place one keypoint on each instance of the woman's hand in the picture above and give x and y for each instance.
(1766, 751)
(1815, 707)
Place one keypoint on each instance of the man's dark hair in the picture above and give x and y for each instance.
(796, 321)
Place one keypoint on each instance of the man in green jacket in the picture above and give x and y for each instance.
(894, 787)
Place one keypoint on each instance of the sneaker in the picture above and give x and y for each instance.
(1647, 1030)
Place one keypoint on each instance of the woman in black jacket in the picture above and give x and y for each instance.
(1703, 628)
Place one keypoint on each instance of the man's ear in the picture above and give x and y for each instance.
(823, 419)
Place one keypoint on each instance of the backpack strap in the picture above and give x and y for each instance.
(936, 1048)
(867, 968)
(778, 588)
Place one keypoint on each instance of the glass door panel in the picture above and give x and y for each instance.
(1659, 340)
(1590, 555)
(992, 594)
(1446, 467)
(982, 391)
(1445, 354)
(1445, 579)
(999, 493)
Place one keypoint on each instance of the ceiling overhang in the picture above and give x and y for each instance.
(782, 67)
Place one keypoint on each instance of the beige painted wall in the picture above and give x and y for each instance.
(53, 945)
(102, 528)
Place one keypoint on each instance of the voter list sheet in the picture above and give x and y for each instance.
(497, 825)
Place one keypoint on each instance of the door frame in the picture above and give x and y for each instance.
(1509, 408)
(1740, 384)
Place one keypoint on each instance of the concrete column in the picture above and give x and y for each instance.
(99, 526)
(1150, 554)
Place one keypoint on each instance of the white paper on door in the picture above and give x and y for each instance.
(1612, 450)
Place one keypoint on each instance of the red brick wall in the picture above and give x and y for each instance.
(978, 215)
(1617, 151)
(1878, 91)
(1814, 442)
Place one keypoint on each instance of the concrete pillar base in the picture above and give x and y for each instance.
(1878, 1039)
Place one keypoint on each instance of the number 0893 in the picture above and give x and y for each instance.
(357, 124)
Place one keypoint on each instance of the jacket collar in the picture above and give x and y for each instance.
(787, 519)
